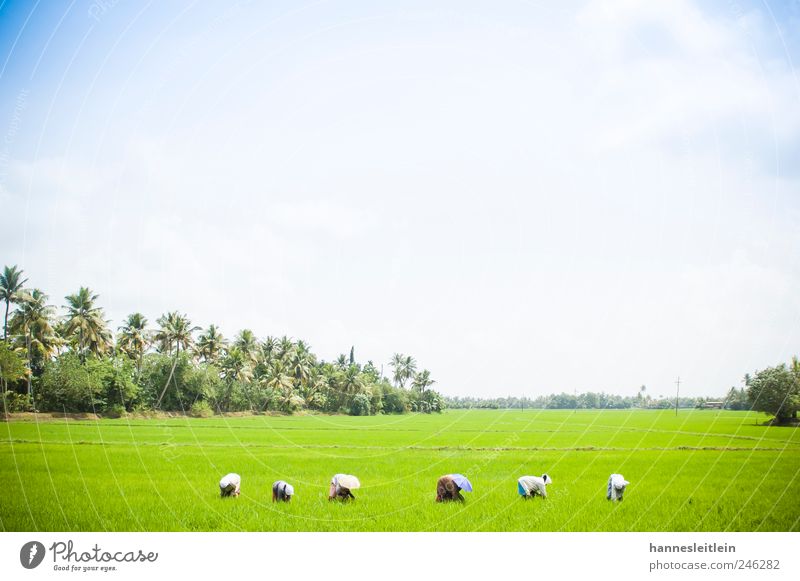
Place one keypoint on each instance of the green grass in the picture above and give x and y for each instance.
(704, 470)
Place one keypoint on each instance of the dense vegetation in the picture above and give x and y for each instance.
(774, 390)
(75, 363)
(703, 470)
(736, 399)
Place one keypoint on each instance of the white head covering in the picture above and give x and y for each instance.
(229, 479)
(547, 479)
(618, 481)
(288, 490)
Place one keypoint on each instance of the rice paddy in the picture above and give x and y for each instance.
(703, 470)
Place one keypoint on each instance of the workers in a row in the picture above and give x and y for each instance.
(448, 487)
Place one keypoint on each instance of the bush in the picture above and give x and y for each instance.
(119, 391)
(69, 385)
(776, 391)
(116, 410)
(185, 382)
(360, 405)
(201, 409)
(16, 402)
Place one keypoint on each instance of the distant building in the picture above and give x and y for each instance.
(713, 405)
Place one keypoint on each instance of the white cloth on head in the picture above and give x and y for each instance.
(533, 485)
(616, 486)
(346, 481)
(230, 481)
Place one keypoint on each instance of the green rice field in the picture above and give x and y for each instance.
(703, 470)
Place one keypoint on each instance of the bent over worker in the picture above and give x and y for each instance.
(229, 485)
(530, 486)
(616, 487)
(282, 491)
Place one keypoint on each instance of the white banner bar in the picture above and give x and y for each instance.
(367, 556)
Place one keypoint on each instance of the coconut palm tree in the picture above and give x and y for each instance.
(351, 381)
(301, 362)
(236, 366)
(133, 339)
(422, 380)
(248, 344)
(268, 349)
(210, 344)
(278, 378)
(175, 333)
(404, 367)
(86, 323)
(11, 284)
(33, 321)
(285, 347)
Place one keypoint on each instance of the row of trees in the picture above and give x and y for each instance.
(75, 363)
(569, 401)
(774, 390)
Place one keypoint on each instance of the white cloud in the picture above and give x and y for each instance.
(527, 200)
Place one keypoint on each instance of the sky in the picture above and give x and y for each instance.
(527, 197)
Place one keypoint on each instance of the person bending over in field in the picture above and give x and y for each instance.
(229, 485)
(530, 486)
(341, 486)
(447, 490)
(616, 487)
(282, 491)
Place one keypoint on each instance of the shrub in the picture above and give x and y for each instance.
(776, 391)
(181, 382)
(395, 400)
(201, 409)
(16, 402)
(116, 410)
(360, 405)
(69, 385)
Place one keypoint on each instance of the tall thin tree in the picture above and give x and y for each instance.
(11, 285)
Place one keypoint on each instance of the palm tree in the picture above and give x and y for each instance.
(11, 283)
(86, 321)
(175, 332)
(236, 365)
(404, 368)
(268, 349)
(210, 344)
(284, 347)
(301, 362)
(422, 380)
(279, 380)
(133, 339)
(312, 391)
(352, 382)
(32, 320)
(248, 344)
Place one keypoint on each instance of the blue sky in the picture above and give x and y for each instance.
(527, 198)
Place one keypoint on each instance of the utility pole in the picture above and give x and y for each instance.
(677, 394)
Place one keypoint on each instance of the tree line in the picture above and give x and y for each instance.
(74, 362)
(774, 390)
(569, 401)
